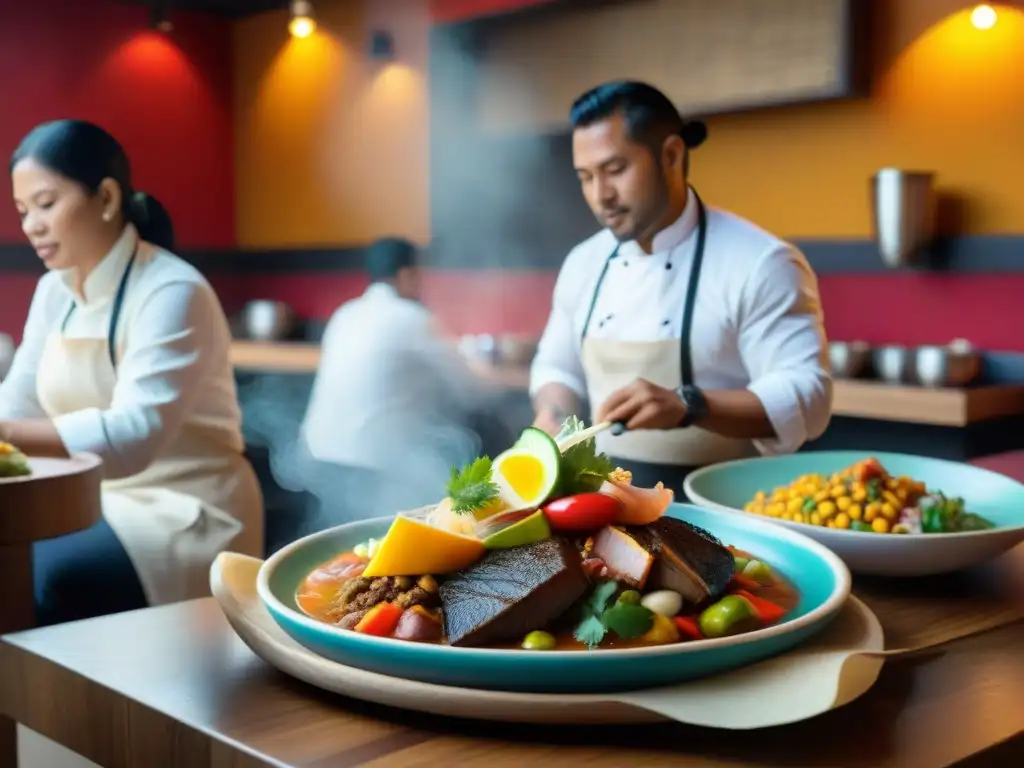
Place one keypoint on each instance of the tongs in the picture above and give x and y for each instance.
(616, 427)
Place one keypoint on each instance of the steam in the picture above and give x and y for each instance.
(483, 194)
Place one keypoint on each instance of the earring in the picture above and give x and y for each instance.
(107, 216)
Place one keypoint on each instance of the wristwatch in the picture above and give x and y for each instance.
(695, 402)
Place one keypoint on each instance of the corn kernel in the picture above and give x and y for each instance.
(856, 512)
(827, 509)
(842, 520)
(795, 504)
(889, 511)
(830, 524)
(799, 518)
(843, 503)
(820, 496)
(786, 516)
(759, 496)
(872, 510)
(859, 494)
(815, 518)
(880, 525)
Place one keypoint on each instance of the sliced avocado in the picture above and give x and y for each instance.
(529, 530)
(540, 444)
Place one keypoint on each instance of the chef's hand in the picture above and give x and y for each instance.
(643, 405)
(548, 422)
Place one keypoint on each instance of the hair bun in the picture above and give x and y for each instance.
(694, 133)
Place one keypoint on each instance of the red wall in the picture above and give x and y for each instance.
(168, 100)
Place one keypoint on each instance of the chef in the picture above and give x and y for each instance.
(415, 394)
(125, 354)
(697, 330)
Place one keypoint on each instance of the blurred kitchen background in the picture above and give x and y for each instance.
(883, 137)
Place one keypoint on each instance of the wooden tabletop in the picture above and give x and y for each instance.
(175, 686)
(60, 497)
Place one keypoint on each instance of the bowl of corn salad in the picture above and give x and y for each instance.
(884, 514)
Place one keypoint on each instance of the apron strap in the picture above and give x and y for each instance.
(115, 314)
(685, 354)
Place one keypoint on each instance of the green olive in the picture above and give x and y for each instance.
(718, 619)
(539, 641)
(629, 597)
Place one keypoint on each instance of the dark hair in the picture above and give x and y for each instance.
(87, 154)
(651, 117)
(387, 256)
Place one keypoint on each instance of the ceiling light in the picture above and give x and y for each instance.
(302, 23)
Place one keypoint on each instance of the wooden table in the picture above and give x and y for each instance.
(175, 686)
(30, 511)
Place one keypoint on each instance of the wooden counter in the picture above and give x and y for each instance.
(950, 407)
(859, 399)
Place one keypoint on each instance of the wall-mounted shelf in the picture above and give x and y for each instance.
(952, 407)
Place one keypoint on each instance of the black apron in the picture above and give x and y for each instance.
(646, 474)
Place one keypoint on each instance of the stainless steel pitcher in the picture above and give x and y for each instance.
(903, 214)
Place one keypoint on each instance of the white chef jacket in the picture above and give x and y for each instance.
(758, 323)
(175, 364)
(391, 392)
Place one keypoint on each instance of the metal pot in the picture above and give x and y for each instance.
(848, 358)
(950, 366)
(892, 363)
(266, 320)
(903, 214)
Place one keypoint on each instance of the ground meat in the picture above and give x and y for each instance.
(359, 595)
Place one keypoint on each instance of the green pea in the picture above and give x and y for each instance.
(741, 563)
(809, 505)
(860, 525)
(539, 641)
(716, 620)
(629, 597)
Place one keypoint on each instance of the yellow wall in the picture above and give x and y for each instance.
(331, 147)
(949, 98)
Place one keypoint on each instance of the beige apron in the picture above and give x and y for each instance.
(199, 497)
(609, 365)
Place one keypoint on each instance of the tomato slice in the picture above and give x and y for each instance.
(582, 512)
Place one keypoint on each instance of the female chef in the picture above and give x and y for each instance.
(699, 331)
(124, 354)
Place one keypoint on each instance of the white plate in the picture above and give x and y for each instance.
(827, 672)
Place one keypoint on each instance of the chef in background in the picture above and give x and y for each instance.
(125, 354)
(393, 399)
(698, 330)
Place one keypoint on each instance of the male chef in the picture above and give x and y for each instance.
(696, 329)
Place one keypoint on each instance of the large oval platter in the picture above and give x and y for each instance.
(821, 578)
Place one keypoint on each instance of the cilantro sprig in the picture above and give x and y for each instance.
(591, 630)
(597, 617)
(471, 487)
(583, 467)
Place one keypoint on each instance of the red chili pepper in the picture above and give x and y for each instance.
(380, 620)
(767, 611)
(688, 627)
(739, 581)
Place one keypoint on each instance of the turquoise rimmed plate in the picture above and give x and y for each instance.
(730, 485)
(821, 578)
